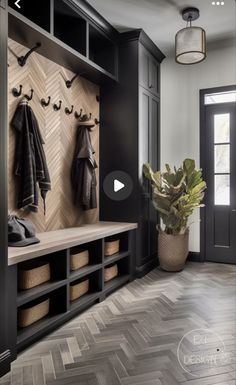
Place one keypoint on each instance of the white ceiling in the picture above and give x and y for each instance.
(161, 19)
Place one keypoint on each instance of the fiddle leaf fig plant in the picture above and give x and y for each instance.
(176, 193)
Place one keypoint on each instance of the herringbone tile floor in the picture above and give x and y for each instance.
(133, 336)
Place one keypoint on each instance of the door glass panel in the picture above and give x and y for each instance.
(222, 158)
(222, 190)
(222, 128)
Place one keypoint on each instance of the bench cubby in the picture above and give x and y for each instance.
(56, 248)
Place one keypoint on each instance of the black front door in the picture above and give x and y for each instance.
(220, 174)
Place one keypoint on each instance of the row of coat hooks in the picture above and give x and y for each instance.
(22, 60)
(57, 107)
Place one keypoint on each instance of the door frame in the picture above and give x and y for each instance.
(202, 93)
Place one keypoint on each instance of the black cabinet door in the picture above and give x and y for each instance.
(148, 71)
(144, 128)
(153, 75)
(154, 161)
(148, 153)
(144, 66)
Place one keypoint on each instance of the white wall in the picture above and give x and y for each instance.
(180, 87)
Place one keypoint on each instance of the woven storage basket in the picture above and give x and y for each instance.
(112, 246)
(110, 273)
(32, 314)
(79, 289)
(33, 274)
(79, 260)
(173, 251)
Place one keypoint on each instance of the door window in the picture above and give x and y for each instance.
(222, 159)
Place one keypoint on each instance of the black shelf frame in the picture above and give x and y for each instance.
(83, 272)
(124, 273)
(115, 283)
(25, 296)
(116, 257)
(63, 47)
(61, 280)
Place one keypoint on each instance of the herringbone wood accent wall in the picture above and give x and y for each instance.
(58, 130)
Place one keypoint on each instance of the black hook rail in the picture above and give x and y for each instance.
(17, 93)
(57, 107)
(22, 60)
(44, 103)
(69, 111)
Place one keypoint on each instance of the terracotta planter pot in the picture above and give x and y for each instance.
(173, 250)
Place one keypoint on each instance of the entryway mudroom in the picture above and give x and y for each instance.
(117, 192)
(64, 91)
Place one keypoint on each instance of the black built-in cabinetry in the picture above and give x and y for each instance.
(126, 66)
(130, 115)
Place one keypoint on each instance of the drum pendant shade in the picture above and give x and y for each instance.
(190, 42)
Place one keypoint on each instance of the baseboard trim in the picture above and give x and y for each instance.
(5, 362)
(147, 267)
(195, 256)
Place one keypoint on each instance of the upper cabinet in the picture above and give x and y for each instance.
(70, 27)
(71, 34)
(148, 70)
(102, 51)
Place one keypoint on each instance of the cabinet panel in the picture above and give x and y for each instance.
(144, 124)
(148, 152)
(153, 76)
(148, 71)
(144, 58)
(153, 160)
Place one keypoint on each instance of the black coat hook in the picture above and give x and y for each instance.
(96, 121)
(69, 112)
(17, 93)
(70, 82)
(22, 60)
(77, 116)
(31, 95)
(44, 103)
(98, 98)
(57, 107)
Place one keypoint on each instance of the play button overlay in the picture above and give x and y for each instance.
(118, 185)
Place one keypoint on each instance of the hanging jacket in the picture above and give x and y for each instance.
(30, 160)
(83, 176)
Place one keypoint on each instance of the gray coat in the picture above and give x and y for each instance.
(83, 176)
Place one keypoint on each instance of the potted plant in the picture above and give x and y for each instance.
(176, 193)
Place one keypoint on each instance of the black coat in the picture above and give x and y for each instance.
(83, 174)
(30, 160)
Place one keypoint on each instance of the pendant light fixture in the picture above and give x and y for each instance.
(190, 42)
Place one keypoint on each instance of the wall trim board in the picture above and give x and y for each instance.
(5, 362)
(194, 256)
(59, 133)
(147, 267)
